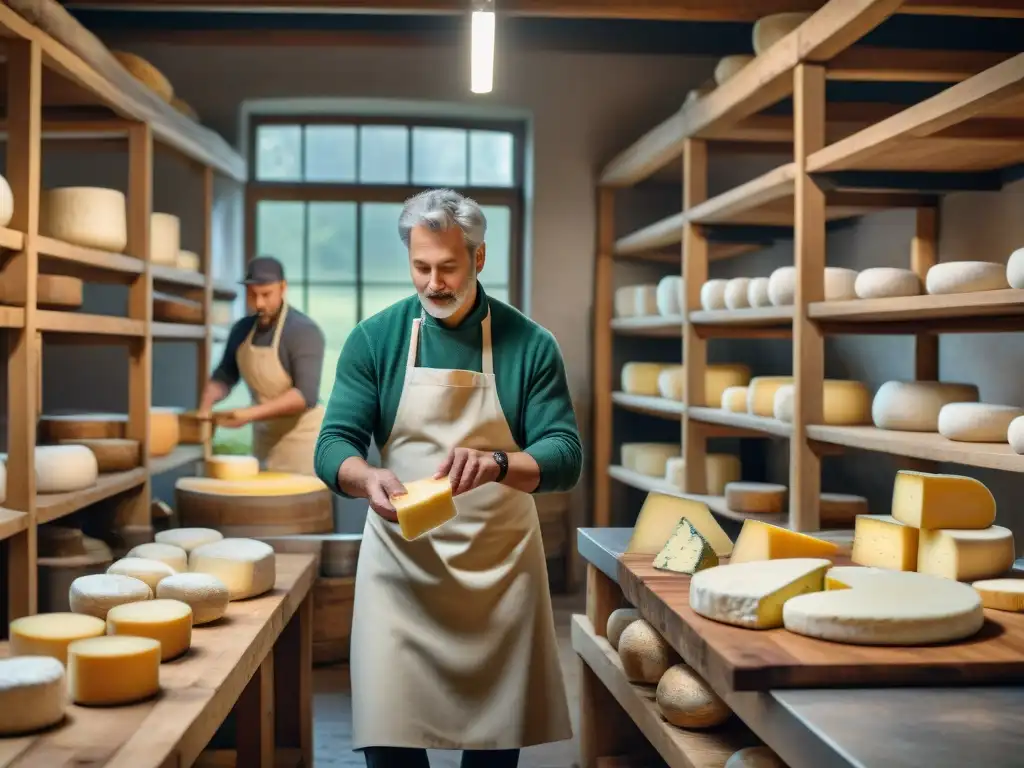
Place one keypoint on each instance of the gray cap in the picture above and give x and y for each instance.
(263, 270)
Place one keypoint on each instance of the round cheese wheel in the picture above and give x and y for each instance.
(729, 66)
(671, 380)
(754, 757)
(245, 566)
(761, 394)
(188, 260)
(839, 285)
(685, 700)
(638, 379)
(164, 239)
(757, 292)
(913, 406)
(734, 399)
(113, 454)
(844, 403)
(203, 592)
(146, 74)
(1015, 269)
(116, 669)
(644, 653)
(886, 283)
(73, 426)
(645, 300)
(756, 498)
(97, 593)
(669, 296)
(712, 294)
(965, 277)
(977, 422)
(32, 694)
(92, 217)
(174, 309)
(648, 458)
(167, 621)
(6, 202)
(163, 430)
(188, 538)
(998, 594)
(618, 620)
(784, 403)
(175, 557)
(58, 292)
(782, 286)
(228, 467)
(1015, 435)
(65, 468)
(735, 296)
(49, 634)
(768, 30)
(147, 571)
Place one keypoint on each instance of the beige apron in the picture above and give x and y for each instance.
(286, 443)
(453, 636)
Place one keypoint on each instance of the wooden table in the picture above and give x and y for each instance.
(822, 728)
(257, 660)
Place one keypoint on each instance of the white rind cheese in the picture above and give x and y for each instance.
(204, 593)
(65, 468)
(97, 593)
(887, 283)
(188, 538)
(669, 296)
(965, 277)
(757, 292)
(1015, 435)
(1001, 594)
(636, 300)
(736, 291)
(839, 285)
(245, 566)
(175, 557)
(977, 422)
(712, 294)
(33, 694)
(148, 571)
(913, 406)
(92, 217)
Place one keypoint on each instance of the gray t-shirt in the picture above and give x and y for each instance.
(301, 352)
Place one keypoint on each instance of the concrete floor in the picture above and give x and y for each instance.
(333, 711)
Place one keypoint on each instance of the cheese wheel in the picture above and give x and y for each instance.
(145, 73)
(111, 670)
(648, 458)
(204, 593)
(6, 202)
(32, 694)
(712, 294)
(641, 378)
(914, 406)
(164, 238)
(1001, 594)
(754, 757)
(1015, 435)
(49, 634)
(717, 379)
(188, 538)
(844, 403)
(965, 277)
(977, 422)
(886, 283)
(768, 30)
(148, 571)
(96, 594)
(839, 285)
(729, 66)
(163, 430)
(734, 399)
(671, 380)
(74, 426)
(784, 403)
(91, 217)
(669, 296)
(625, 302)
(644, 653)
(113, 454)
(174, 557)
(636, 300)
(167, 621)
(618, 620)
(1015, 269)
(965, 554)
(58, 292)
(232, 467)
(720, 470)
(245, 566)
(761, 394)
(685, 700)
(65, 468)
(757, 292)
(756, 498)
(735, 296)
(189, 261)
(174, 309)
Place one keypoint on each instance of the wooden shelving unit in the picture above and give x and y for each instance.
(48, 89)
(847, 160)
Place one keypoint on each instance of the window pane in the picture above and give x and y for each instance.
(499, 245)
(280, 232)
(330, 153)
(378, 297)
(490, 158)
(385, 258)
(334, 310)
(278, 150)
(332, 241)
(497, 292)
(383, 154)
(439, 156)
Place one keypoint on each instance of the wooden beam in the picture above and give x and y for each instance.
(604, 298)
(864, 63)
(695, 348)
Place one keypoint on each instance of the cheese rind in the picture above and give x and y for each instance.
(883, 541)
(926, 500)
(148, 571)
(965, 277)
(1001, 594)
(659, 517)
(712, 295)
(49, 634)
(32, 694)
(115, 669)
(762, 541)
(188, 538)
(966, 555)
(886, 282)
(669, 296)
(245, 566)
(97, 593)
(686, 551)
(844, 403)
(174, 557)
(685, 700)
(757, 292)
(92, 217)
(641, 378)
(65, 468)
(204, 593)
(913, 406)
(167, 621)
(232, 467)
(644, 653)
(977, 422)
(618, 620)
(757, 498)
(736, 293)
(761, 394)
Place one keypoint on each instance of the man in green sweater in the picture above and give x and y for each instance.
(453, 641)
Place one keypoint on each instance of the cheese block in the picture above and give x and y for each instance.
(669, 296)
(49, 634)
(768, 30)
(712, 294)
(882, 607)
(641, 378)
(757, 292)
(761, 394)
(168, 308)
(204, 593)
(649, 459)
(96, 594)
(65, 468)
(174, 557)
(756, 498)
(33, 693)
(886, 283)
(913, 406)
(966, 555)
(671, 382)
(839, 285)
(734, 399)
(717, 378)
(146, 74)
(754, 757)
(167, 621)
(188, 538)
(148, 571)
(720, 469)
(1015, 435)
(965, 277)
(189, 261)
(977, 422)
(685, 700)
(227, 467)
(729, 66)
(882, 541)
(752, 595)
(686, 551)
(246, 567)
(112, 670)
(659, 517)
(762, 541)
(1001, 594)
(736, 293)
(926, 500)
(426, 505)
(91, 217)
(113, 454)
(644, 653)
(164, 239)
(618, 620)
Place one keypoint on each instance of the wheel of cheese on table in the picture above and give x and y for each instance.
(245, 566)
(755, 757)
(185, 108)
(669, 296)
(913, 406)
(756, 498)
(965, 277)
(887, 283)
(59, 292)
(232, 467)
(977, 422)
(49, 634)
(966, 555)
(882, 607)
(757, 292)
(712, 294)
(113, 454)
(642, 378)
(148, 571)
(270, 504)
(188, 260)
(768, 30)
(65, 468)
(618, 620)
(839, 285)
(763, 541)
(644, 653)
(926, 500)
(92, 217)
(659, 516)
(736, 293)
(95, 595)
(734, 399)
(729, 66)
(164, 239)
(6, 202)
(146, 74)
(113, 670)
(33, 693)
(168, 308)
(174, 557)
(188, 538)
(1001, 594)
(648, 458)
(761, 394)
(844, 403)
(752, 594)
(685, 700)
(169, 622)
(882, 541)
(204, 593)
(720, 469)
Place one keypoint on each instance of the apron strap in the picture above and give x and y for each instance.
(486, 354)
(280, 327)
(414, 343)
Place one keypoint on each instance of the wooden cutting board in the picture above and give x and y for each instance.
(736, 659)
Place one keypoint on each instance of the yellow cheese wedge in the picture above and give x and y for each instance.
(50, 634)
(659, 517)
(762, 541)
(113, 670)
(167, 621)
(881, 541)
(426, 505)
(924, 500)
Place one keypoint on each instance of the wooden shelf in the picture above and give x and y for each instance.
(961, 312)
(95, 325)
(179, 457)
(11, 240)
(183, 278)
(89, 263)
(652, 325)
(652, 406)
(12, 317)
(753, 321)
(53, 506)
(178, 331)
(12, 523)
(224, 289)
(742, 421)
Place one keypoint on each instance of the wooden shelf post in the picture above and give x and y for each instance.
(604, 298)
(205, 347)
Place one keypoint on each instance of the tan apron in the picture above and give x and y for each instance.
(453, 636)
(286, 443)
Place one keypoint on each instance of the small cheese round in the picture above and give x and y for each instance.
(736, 293)
(913, 406)
(965, 277)
(755, 498)
(49, 634)
(188, 260)
(65, 468)
(685, 700)
(886, 282)
(148, 571)
(845, 403)
(757, 292)
(839, 285)
(754, 757)
(1015, 435)
(1001, 594)
(729, 66)
(782, 287)
(1015, 269)
(204, 593)
(115, 669)
(644, 653)
(641, 378)
(167, 621)
(977, 422)
(671, 381)
(232, 467)
(618, 620)
(188, 538)
(768, 30)
(175, 557)
(97, 593)
(113, 454)
(246, 566)
(734, 399)
(669, 296)
(32, 694)
(712, 294)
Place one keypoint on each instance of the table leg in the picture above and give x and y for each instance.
(603, 597)
(255, 721)
(293, 685)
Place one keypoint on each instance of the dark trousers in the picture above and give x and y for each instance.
(403, 757)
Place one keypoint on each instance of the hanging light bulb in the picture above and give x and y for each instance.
(481, 73)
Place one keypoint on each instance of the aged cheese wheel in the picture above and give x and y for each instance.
(163, 430)
(717, 379)
(913, 406)
(757, 292)
(644, 653)
(164, 239)
(756, 498)
(768, 30)
(33, 694)
(65, 468)
(729, 66)
(844, 403)
(720, 470)
(65, 555)
(246, 567)
(232, 467)
(886, 283)
(685, 700)
(648, 458)
(761, 394)
(839, 285)
(977, 422)
(618, 620)
(1015, 269)
(333, 601)
(965, 277)
(999, 594)
(146, 74)
(636, 300)
(669, 296)
(188, 260)
(734, 399)
(95, 595)
(174, 309)
(712, 294)
(49, 634)
(204, 593)
(736, 292)
(185, 108)
(269, 504)
(175, 557)
(1015, 435)
(58, 292)
(642, 378)
(754, 757)
(92, 217)
(150, 572)
(6, 202)
(113, 454)
(111, 670)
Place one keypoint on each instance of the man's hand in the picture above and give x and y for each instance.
(234, 419)
(381, 486)
(468, 469)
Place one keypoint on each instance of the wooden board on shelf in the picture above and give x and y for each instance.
(82, 323)
(53, 506)
(736, 659)
(744, 421)
(981, 311)
(650, 325)
(652, 406)
(12, 523)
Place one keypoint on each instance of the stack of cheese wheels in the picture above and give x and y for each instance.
(65, 555)
(163, 428)
(33, 693)
(717, 379)
(720, 469)
(188, 260)
(977, 422)
(91, 217)
(965, 277)
(670, 296)
(145, 73)
(60, 292)
(844, 403)
(164, 239)
(636, 300)
(649, 459)
(914, 406)
(839, 285)
(245, 566)
(232, 467)
(113, 454)
(768, 30)
(269, 504)
(168, 308)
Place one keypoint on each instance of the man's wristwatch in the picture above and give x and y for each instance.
(501, 459)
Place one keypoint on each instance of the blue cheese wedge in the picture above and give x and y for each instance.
(686, 551)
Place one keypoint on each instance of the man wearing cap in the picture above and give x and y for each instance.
(279, 353)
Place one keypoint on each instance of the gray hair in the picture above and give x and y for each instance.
(441, 209)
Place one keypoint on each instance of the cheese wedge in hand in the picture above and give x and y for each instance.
(426, 505)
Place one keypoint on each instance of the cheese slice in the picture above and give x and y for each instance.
(926, 500)
(966, 555)
(246, 567)
(426, 505)
(116, 669)
(884, 542)
(49, 634)
(686, 551)
(148, 571)
(175, 557)
(97, 593)
(168, 621)
(762, 541)
(752, 595)
(188, 538)
(659, 517)
(1001, 594)
(32, 694)
(204, 593)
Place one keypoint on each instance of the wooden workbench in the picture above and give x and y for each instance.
(257, 660)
